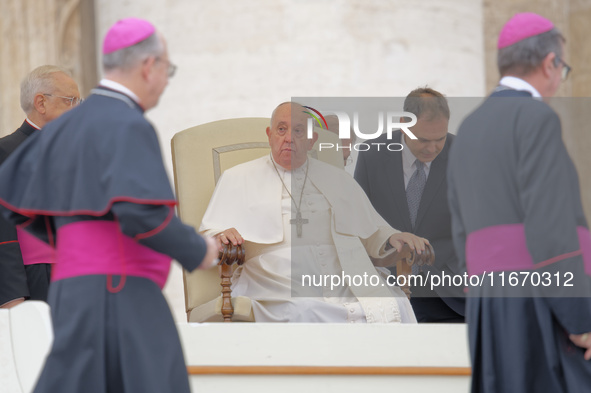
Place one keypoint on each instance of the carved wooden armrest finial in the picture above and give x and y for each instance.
(406, 258)
(229, 255)
(426, 258)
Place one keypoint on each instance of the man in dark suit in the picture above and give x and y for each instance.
(409, 189)
(46, 93)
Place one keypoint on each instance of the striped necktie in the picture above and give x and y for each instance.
(414, 190)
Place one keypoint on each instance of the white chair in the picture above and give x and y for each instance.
(25, 340)
(200, 155)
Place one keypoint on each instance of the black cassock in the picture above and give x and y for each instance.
(516, 209)
(100, 166)
(13, 279)
(29, 279)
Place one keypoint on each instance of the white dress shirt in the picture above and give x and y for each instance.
(519, 84)
(120, 88)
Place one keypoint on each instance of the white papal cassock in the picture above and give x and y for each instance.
(284, 274)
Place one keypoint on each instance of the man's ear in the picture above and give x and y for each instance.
(548, 65)
(39, 103)
(147, 67)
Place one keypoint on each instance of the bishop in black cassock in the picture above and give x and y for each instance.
(519, 225)
(93, 186)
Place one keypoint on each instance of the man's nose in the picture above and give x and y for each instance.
(432, 147)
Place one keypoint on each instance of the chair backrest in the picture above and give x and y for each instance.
(200, 155)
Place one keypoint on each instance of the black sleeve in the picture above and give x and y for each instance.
(13, 280)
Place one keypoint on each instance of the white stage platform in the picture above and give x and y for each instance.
(274, 357)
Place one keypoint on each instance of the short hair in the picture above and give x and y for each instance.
(425, 101)
(40, 80)
(526, 55)
(129, 57)
(280, 105)
(275, 110)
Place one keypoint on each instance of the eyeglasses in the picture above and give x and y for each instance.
(566, 69)
(73, 101)
(171, 67)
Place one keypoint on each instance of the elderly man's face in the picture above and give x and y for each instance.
(62, 98)
(287, 136)
(431, 134)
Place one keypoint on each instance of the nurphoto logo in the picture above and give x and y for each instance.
(390, 119)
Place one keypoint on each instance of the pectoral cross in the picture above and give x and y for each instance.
(299, 221)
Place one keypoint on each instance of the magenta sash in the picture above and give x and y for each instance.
(34, 251)
(504, 247)
(99, 247)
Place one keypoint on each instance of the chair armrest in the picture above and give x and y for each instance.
(229, 255)
(406, 258)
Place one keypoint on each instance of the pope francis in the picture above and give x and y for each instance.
(309, 232)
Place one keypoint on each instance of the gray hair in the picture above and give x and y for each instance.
(280, 105)
(524, 56)
(129, 57)
(426, 101)
(40, 80)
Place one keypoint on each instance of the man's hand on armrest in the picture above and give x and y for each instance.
(230, 235)
(398, 240)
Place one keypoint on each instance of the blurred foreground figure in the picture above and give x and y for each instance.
(107, 207)
(516, 212)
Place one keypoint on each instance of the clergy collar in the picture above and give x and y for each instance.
(119, 88)
(519, 84)
(408, 158)
(301, 168)
(35, 126)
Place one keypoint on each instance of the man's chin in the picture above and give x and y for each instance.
(284, 163)
(428, 159)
